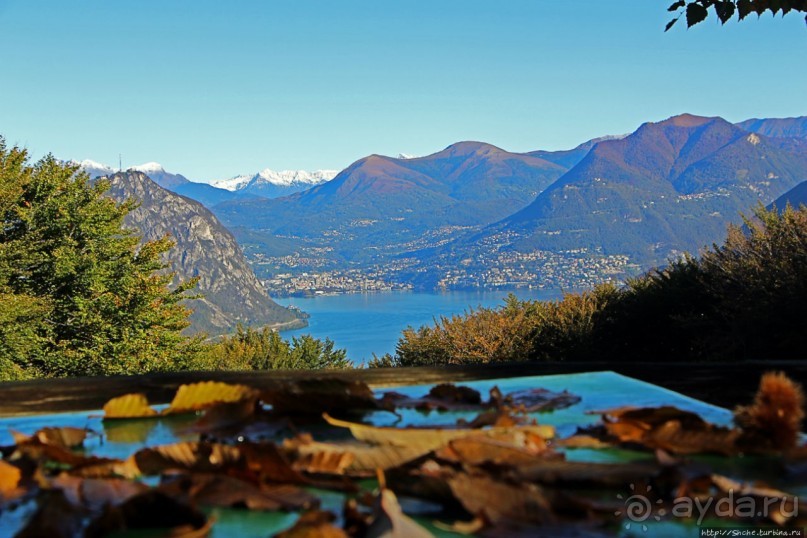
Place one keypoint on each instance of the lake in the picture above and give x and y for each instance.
(367, 323)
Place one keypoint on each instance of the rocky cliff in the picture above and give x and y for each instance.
(204, 248)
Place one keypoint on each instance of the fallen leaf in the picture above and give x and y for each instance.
(150, 510)
(10, 477)
(670, 429)
(540, 399)
(39, 452)
(512, 449)
(352, 459)
(425, 439)
(314, 524)
(498, 501)
(582, 441)
(190, 456)
(199, 396)
(227, 491)
(578, 473)
(95, 493)
(225, 415)
(55, 517)
(443, 397)
(320, 395)
(128, 406)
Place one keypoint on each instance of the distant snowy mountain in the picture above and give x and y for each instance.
(95, 169)
(272, 184)
(158, 175)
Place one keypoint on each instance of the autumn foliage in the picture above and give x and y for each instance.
(743, 300)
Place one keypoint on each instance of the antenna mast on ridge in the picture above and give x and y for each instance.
(120, 162)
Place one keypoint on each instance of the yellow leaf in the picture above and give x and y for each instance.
(9, 478)
(427, 439)
(128, 406)
(352, 459)
(198, 396)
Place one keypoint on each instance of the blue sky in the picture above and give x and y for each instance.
(212, 89)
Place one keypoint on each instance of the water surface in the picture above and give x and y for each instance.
(367, 323)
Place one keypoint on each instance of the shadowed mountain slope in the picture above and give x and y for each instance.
(204, 248)
(670, 186)
(777, 127)
(388, 203)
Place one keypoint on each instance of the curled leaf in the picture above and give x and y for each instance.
(192, 456)
(198, 396)
(426, 439)
(128, 406)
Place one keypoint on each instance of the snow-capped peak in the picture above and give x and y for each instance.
(93, 168)
(283, 178)
(148, 167)
(87, 163)
(406, 156)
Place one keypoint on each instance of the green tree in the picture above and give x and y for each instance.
(251, 349)
(696, 11)
(79, 293)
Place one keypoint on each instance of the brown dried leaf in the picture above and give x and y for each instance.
(226, 415)
(425, 439)
(108, 469)
(206, 394)
(314, 524)
(55, 517)
(128, 406)
(10, 477)
(563, 473)
(150, 510)
(94, 493)
(443, 397)
(513, 449)
(670, 429)
(582, 441)
(36, 451)
(540, 399)
(270, 464)
(498, 501)
(320, 395)
(352, 459)
(227, 491)
(190, 456)
(672, 437)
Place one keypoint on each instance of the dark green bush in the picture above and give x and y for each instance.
(745, 299)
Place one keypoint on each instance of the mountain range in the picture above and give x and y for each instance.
(380, 205)
(204, 249)
(669, 187)
(265, 184)
(633, 201)
(474, 214)
(271, 184)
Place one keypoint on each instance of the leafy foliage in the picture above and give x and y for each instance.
(746, 299)
(79, 295)
(697, 11)
(265, 349)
